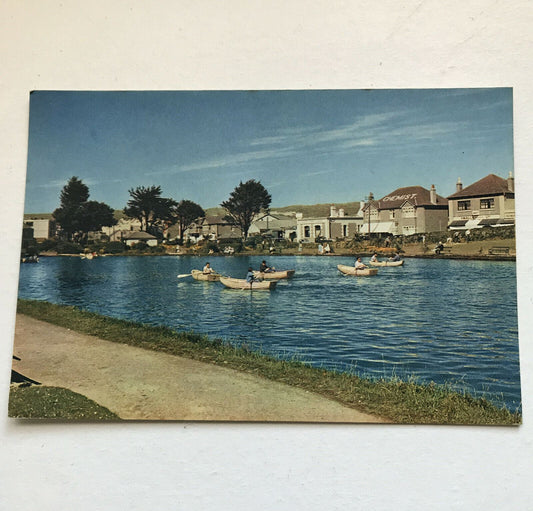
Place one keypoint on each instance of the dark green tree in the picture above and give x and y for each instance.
(77, 215)
(186, 212)
(153, 211)
(246, 201)
(94, 215)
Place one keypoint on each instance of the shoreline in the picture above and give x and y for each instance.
(393, 400)
(469, 257)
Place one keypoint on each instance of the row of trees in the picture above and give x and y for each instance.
(77, 215)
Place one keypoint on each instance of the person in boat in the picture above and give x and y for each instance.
(250, 275)
(208, 269)
(374, 259)
(359, 264)
(395, 257)
(264, 268)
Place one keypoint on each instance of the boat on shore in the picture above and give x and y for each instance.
(274, 274)
(350, 270)
(243, 284)
(386, 263)
(207, 277)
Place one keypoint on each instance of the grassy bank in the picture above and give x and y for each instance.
(398, 401)
(39, 402)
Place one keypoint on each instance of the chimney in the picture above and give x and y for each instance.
(459, 185)
(510, 182)
(341, 212)
(433, 195)
(332, 211)
(299, 216)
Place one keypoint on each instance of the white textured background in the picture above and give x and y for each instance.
(260, 45)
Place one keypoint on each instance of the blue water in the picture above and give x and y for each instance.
(439, 320)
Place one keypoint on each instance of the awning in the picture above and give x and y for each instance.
(378, 227)
(458, 223)
(488, 221)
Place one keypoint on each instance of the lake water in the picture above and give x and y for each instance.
(440, 320)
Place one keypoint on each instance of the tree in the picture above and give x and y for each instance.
(152, 210)
(72, 196)
(186, 212)
(77, 215)
(94, 215)
(245, 202)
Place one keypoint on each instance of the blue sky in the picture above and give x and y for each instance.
(305, 147)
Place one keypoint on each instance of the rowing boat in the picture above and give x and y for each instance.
(274, 274)
(350, 270)
(386, 263)
(200, 275)
(242, 284)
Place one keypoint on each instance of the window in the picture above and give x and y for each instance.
(392, 214)
(486, 204)
(408, 211)
(344, 231)
(307, 232)
(463, 205)
(318, 229)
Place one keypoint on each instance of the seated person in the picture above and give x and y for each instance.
(250, 275)
(359, 264)
(374, 258)
(395, 257)
(264, 268)
(208, 269)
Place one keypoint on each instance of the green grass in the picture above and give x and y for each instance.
(38, 402)
(398, 401)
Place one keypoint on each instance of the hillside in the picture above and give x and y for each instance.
(313, 210)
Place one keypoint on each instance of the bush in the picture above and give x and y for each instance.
(66, 247)
(159, 249)
(47, 245)
(253, 241)
(115, 247)
(140, 245)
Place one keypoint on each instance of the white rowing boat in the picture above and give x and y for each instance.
(385, 263)
(209, 277)
(242, 284)
(274, 274)
(350, 270)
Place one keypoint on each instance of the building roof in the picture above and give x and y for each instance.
(138, 235)
(38, 216)
(489, 185)
(416, 195)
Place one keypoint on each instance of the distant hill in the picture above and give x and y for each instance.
(319, 210)
(312, 210)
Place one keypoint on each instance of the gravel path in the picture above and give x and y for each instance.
(147, 385)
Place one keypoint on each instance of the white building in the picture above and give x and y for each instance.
(488, 202)
(43, 226)
(336, 226)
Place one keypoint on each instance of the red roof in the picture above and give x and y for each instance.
(415, 195)
(489, 185)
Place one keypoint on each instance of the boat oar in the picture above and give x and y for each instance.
(182, 275)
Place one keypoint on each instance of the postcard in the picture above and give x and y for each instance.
(338, 256)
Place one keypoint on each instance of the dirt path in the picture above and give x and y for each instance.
(146, 385)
